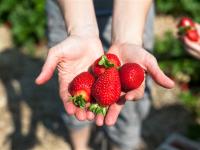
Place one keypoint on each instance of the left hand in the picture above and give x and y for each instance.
(135, 54)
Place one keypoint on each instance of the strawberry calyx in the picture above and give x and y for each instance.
(79, 101)
(182, 30)
(105, 62)
(97, 109)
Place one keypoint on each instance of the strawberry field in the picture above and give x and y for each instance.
(176, 62)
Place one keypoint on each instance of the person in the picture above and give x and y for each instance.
(75, 43)
(193, 48)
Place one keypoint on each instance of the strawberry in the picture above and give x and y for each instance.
(106, 90)
(187, 27)
(105, 62)
(192, 35)
(80, 88)
(185, 21)
(131, 76)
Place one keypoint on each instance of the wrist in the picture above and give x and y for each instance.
(128, 40)
(89, 30)
(125, 34)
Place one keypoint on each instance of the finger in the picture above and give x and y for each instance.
(65, 96)
(136, 94)
(90, 115)
(193, 53)
(48, 67)
(192, 48)
(156, 73)
(198, 27)
(80, 114)
(192, 45)
(113, 112)
(70, 108)
(99, 120)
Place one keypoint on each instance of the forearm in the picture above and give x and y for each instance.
(129, 18)
(79, 16)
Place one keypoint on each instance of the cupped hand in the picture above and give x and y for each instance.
(71, 57)
(130, 53)
(192, 47)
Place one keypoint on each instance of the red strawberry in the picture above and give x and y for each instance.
(106, 89)
(187, 27)
(105, 62)
(80, 88)
(192, 35)
(185, 21)
(131, 76)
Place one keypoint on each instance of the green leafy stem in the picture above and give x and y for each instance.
(97, 109)
(105, 62)
(78, 101)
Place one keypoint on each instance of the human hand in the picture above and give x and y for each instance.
(71, 57)
(135, 54)
(193, 48)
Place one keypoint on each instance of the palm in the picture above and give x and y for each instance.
(75, 60)
(71, 57)
(132, 53)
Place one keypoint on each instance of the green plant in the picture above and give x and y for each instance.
(173, 59)
(26, 18)
(190, 101)
(180, 8)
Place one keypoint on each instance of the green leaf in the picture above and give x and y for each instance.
(97, 109)
(105, 62)
(79, 101)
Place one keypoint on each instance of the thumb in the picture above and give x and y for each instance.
(157, 74)
(48, 67)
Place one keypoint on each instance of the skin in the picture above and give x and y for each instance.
(193, 48)
(134, 53)
(82, 47)
(127, 45)
(76, 53)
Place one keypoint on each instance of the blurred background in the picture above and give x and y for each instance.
(29, 115)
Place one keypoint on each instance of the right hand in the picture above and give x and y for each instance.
(191, 47)
(71, 57)
(131, 53)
